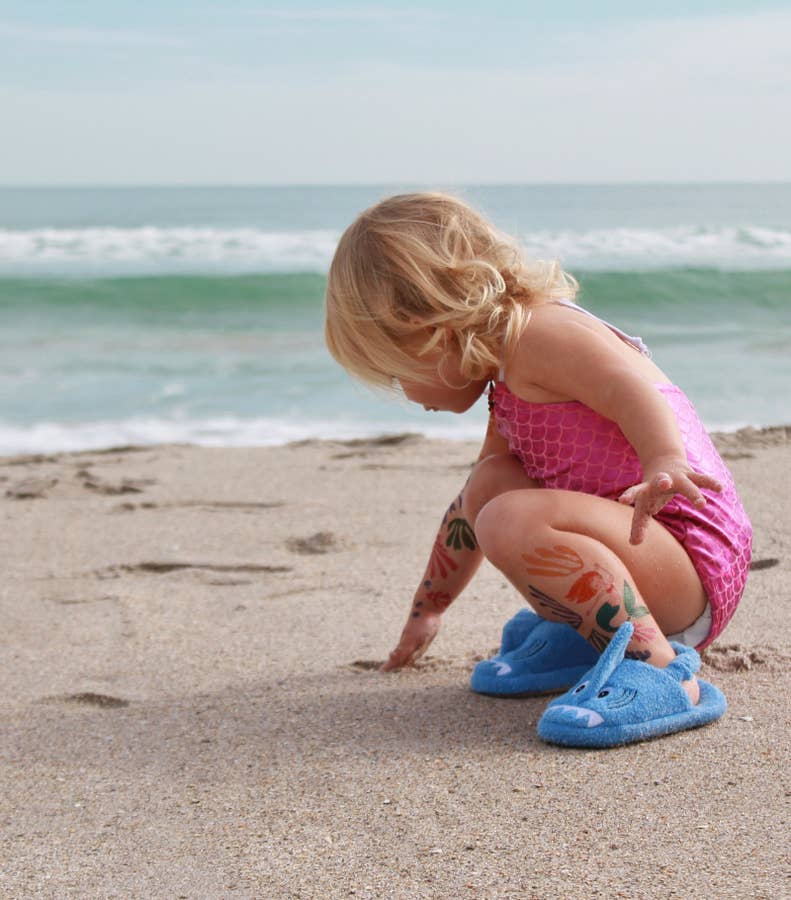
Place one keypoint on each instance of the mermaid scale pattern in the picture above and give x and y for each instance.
(571, 447)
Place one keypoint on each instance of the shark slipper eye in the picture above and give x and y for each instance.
(580, 687)
(604, 693)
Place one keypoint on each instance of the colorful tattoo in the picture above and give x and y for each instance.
(440, 599)
(604, 616)
(452, 507)
(441, 561)
(460, 533)
(554, 562)
(643, 634)
(629, 601)
(560, 613)
(590, 585)
(599, 640)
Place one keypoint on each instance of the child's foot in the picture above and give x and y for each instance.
(693, 690)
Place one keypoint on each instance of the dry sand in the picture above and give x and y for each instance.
(189, 707)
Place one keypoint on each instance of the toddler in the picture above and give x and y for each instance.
(597, 493)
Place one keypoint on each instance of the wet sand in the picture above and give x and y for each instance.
(190, 706)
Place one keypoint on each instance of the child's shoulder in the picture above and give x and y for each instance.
(564, 348)
(553, 330)
(557, 315)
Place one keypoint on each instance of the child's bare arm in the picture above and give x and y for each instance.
(454, 560)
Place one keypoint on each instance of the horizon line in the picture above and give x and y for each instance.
(400, 183)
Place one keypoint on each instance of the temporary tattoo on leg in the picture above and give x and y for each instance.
(454, 504)
(460, 533)
(642, 655)
(441, 561)
(557, 561)
(590, 585)
(643, 634)
(599, 640)
(559, 612)
(604, 616)
(440, 599)
(630, 602)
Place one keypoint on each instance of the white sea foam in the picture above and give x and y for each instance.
(153, 249)
(225, 431)
(725, 248)
(196, 249)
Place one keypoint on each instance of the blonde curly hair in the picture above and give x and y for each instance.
(429, 259)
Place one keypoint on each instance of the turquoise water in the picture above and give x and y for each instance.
(195, 314)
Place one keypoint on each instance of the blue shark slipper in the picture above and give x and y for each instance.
(536, 657)
(620, 701)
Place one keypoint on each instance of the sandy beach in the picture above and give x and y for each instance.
(190, 706)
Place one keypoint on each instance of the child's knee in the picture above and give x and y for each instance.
(495, 537)
(512, 523)
(491, 477)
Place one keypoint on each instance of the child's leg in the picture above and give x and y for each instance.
(569, 555)
(496, 474)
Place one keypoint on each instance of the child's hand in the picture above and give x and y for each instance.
(663, 482)
(418, 633)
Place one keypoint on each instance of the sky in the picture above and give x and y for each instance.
(294, 92)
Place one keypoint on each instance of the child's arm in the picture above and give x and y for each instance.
(454, 560)
(573, 360)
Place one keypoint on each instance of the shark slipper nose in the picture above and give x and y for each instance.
(573, 716)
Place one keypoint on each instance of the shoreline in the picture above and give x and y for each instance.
(748, 436)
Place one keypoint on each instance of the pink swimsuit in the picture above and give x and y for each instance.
(571, 447)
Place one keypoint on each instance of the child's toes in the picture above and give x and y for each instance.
(693, 690)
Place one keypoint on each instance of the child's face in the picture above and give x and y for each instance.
(438, 396)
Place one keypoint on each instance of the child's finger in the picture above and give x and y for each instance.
(692, 493)
(627, 497)
(705, 481)
(639, 524)
(394, 661)
(662, 481)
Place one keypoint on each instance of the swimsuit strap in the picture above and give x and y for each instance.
(635, 341)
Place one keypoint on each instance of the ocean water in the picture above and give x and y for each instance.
(132, 315)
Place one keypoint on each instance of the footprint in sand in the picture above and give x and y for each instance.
(128, 507)
(125, 486)
(208, 505)
(738, 658)
(31, 488)
(160, 567)
(757, 564)
(321, 542)
(90, 699)
(81, 601)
